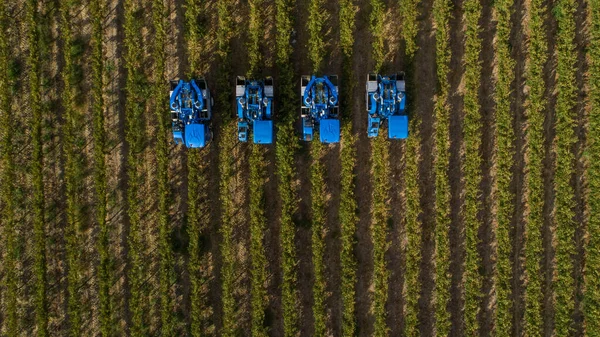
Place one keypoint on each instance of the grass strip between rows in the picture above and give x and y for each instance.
(591, 298)
(505, 138)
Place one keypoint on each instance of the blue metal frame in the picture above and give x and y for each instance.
(320, 106)
(190, 113)
(254, 106)
(387, 101)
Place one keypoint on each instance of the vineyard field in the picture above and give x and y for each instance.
(484, 221)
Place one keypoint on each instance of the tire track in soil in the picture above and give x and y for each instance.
(424, 87)
(579, 182)
(302, 218)
(117, 151)
(333, 169)
(241, 171)
(487, 230)
(55, 192)
(175, 62)
(361, 65)
(209, 201)
(273, 314)
(455, 175)
(272, 203)
(395, 255)
(548, 230)
(81, 19)
(518, 98)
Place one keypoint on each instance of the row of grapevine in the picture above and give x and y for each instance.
(105, 274)
(410, 27)
(39, 231)
(134, 108)
(7, 182)
(380, 170)
(74, 172)
(257, 165)
(412, 195)
(472, 166)
(592, 250)
(197, 182)
(505, 152)
(592, 271)
(564, 203)
(166, 261)
(534, 80)
(316, 51)
(441, 16)
(226, 170)
(286, 171)
(348, 205)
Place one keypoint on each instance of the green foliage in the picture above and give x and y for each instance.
(564, 202)
(380, 215)
(257, 165)
(35, 103)
(376, 26)
(134, 108)
(317, 183)
(504, 163)
(472, 166)
(226, 169)
(380, 170)
(196, 210)
(166, 262)
(409, 14)
(285, 148)
(538, 54)
(74, 173)
(7, 183)
(316, 45)
(413, 228)
(591, 298)
(441, 13)
(348, 206)
(255, 34)
(316, 50)
(105, 272)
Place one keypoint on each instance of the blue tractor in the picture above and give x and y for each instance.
(254, 102)
(320, 106)
(386, 100)
(191, 106)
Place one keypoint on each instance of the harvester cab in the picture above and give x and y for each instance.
(320, 106)
(191, 107)
(254, 101)
(386, 100)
